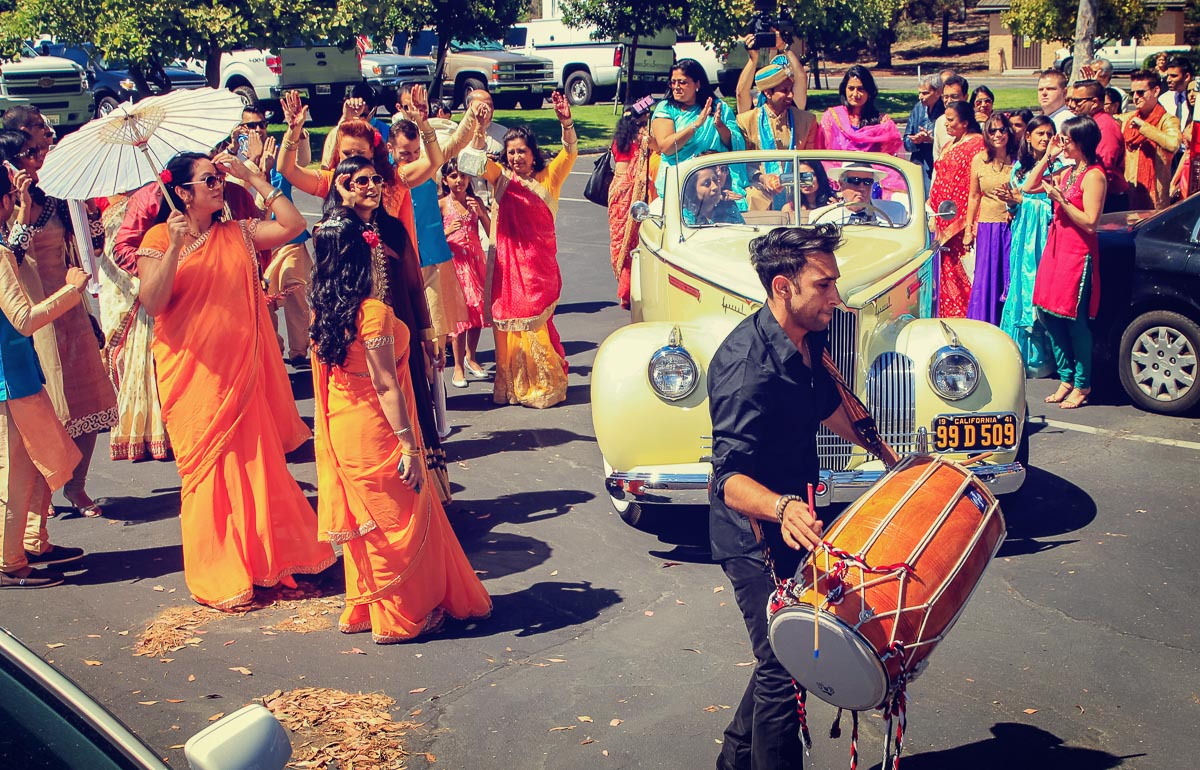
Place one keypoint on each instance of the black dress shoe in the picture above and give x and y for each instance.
(58, 554)
(37, 578)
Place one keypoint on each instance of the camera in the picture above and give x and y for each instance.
(763, 26)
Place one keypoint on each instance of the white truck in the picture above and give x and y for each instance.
(1125, 55)
(324, 74)
(587, 69)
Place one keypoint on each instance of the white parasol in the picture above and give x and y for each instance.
(128, 147)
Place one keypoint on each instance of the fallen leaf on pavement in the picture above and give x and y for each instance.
(556, 660)
(615, 722)
(560, 729)
(417, 691)
(584, 719)
(93, 663)
(191, 677)
(174, 700)
(55, 645)
(586, 741)
(666, 564)
(216, 716)
(94, 636)
(739, 665)
(147, 702)
(176, 746)
(160, 588)
(231, 641)
(649, 613)
(1081, 709)
(680, 601)
(1031, 711)
(242, 670)
(429, 757)
(352, 651)
(718, 589)
(604, 752)
(692, 649)
(711, 709)
(555, 572)
(166, 660)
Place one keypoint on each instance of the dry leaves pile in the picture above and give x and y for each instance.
(172, 629)
(336, 729)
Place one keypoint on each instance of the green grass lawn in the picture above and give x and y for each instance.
(594, 124)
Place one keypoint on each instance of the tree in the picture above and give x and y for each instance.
(1085, 36)
(621, 19)
(1056, 20)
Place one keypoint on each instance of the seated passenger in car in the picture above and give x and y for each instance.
(708, 198)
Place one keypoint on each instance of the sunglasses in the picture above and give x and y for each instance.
(255, 124)
(997, 130)
(858, 180)
(1139, 91)
(365, 180)
(211, 181)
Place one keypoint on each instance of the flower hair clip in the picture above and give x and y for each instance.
(371, 237)
(165, 176)
(376, 138)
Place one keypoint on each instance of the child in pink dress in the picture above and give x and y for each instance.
(462, 213)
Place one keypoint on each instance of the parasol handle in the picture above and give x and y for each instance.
(158, 177)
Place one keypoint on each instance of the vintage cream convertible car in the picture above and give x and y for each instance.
(954, 386)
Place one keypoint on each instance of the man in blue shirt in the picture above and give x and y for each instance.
(918, 134)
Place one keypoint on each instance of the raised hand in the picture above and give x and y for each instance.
(295, 111)
(269, 153)
(705, 113)
(562, 107)
(418, 108)
(234, 165)
(353, 108)
(349, 197)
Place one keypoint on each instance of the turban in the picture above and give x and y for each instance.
(771, 76)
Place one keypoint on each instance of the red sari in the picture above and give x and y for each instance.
(952, 181)
(623, 230)
(228, 405)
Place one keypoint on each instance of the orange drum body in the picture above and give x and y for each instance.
(893, 575)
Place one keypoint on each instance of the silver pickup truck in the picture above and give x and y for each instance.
(509, 77)
(56, 86)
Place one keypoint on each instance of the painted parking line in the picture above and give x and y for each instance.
(1116, 433)
(576, 200)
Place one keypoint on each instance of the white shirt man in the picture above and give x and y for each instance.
(1174, 98)
(1052, 96)
(857, 208)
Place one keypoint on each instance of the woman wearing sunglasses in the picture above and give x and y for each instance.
(79, 376)
(405, 569)
(988, 220)
(225, 393)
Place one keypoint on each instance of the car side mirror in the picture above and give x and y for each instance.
(248, 739)
(640, 211)
(947, 211)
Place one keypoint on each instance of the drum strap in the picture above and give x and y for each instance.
(860, 419)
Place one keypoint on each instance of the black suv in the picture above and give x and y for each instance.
(111, 80)
(1150, 305)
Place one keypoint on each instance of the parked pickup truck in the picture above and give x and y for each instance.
(322, 73)
(510, 77)
(110, 79)
(588, 69)
(386, 71)
(57, 87)
(1124, 55)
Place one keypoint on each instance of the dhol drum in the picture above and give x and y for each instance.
(893, 575)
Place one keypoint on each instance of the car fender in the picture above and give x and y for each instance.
(1002, 373)
(634, 425)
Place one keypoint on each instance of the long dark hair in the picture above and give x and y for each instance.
(1025, 158)
(1010, 145)
(182, 169)
(966, 115)
(869, 115)
(824, 194)
(692, 70)
(627, 130)
(1085, 134)
(351, 166)
(11, 143)
(526, 134)
(451, 167)
(341, 281)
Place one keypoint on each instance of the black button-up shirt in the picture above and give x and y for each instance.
(766, 406)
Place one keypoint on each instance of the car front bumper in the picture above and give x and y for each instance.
(688, 484)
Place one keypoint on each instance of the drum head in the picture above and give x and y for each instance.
(848, 674)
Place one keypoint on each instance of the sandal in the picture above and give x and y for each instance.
(1078, 397)
(1057, 397)
(90, 511)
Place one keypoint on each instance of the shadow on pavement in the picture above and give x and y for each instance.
(134, 510)
(504, 553)
(473, 519)
(540, 608)
(511, 441)
(575, 347)
(583, 307)
(302, 385)
(1046, 506)
(1015, 745)
(101, 567)
(682, 528)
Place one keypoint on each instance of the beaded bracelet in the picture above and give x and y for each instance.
(402, 431)
(782, 503)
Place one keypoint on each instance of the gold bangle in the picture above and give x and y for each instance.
(428, 137)
(410, 453)
(570, 125)
(271, 198)
(287, 144)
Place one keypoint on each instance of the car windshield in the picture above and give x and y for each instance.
(477, 45)
(789, 192)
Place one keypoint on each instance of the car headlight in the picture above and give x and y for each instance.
(388, 70)
(954, 372)
(673, 372)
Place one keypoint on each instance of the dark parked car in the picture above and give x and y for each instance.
(1150, 304)
(111, 80)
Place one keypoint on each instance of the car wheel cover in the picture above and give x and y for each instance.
(1162, 362)
(578, 90)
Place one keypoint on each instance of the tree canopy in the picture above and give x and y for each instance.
(1056, 20)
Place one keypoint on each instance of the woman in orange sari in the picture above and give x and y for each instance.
(952, 181)
(226, 399)
(531, 365)
(632, 181)
(405, 569)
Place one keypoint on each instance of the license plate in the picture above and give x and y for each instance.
(302, 91)
(51, 118)
(974, 432)
(323, 90)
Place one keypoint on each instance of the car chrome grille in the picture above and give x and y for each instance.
(833, 451)
(40, 84)
(891, 398)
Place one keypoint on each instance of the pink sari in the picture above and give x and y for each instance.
(837, 133)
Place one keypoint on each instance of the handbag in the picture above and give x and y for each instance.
(596, 189)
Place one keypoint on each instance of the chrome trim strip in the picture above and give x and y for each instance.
(848, 486)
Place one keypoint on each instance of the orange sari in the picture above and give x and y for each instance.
(228, 405)
(405, 569)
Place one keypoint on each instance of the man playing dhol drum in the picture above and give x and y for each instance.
(768, 394)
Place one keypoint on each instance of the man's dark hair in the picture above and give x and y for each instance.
(1092, 88)
(957, 80)
(405, 128)
(1149, 77)
(253, 109)
(785, 250)
(22, 116)
(1184, 65)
